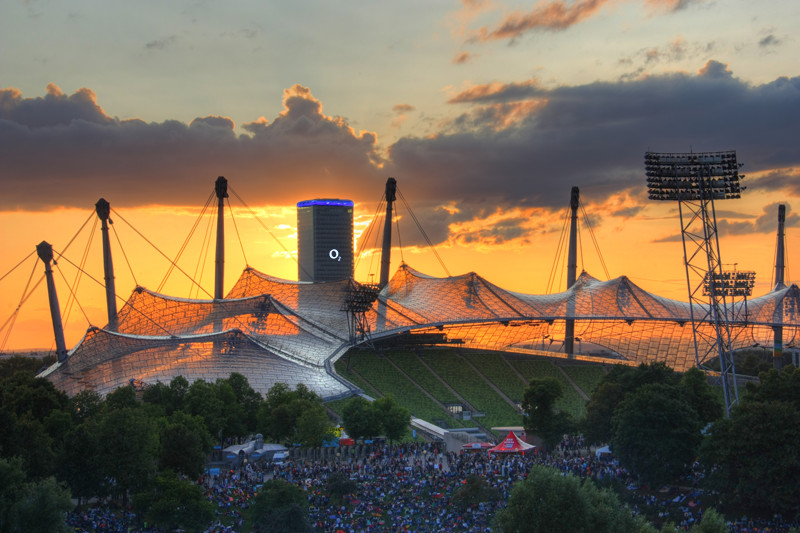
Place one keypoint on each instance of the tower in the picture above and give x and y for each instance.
(695, 181)
(324, 240)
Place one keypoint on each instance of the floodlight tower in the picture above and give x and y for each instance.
(695, 180)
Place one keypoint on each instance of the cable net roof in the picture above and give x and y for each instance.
(273, 330)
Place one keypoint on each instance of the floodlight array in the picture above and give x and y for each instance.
(360, 296)
(692, 176)
(735, 283)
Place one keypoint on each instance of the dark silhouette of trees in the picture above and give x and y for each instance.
(752, 459)
(540, 416)
(549, 502)
(655, 433)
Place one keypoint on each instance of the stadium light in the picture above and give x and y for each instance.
(734, 283)
(692, 176)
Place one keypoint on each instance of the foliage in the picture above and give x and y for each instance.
(313, 427)
(184, 444)
(393, 417)
(753, 460)
(547, 501)
(475, 490)
(695, 388)
(216, 403)
(31, 506)
(620, 381)
(712, 522)
(172, 504)
(280, 506)
(359, 419)
(126, 454)
(540, 415)
(340, 485)
(384, 416)
(656, 433)
(28, 365)
(280, 412)
(78, 460)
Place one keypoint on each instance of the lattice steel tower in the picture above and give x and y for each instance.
(695, 181)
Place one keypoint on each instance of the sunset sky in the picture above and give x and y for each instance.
(486, 113)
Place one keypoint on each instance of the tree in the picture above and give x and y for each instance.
(340, 485)
(359, 419)
(78, 460)
(700, 395)
(278, 415)
(247, 398)
(597, 422)
(126, 455)
(753, 460)
(121, 398)
(394, 418)
(216, 404)
(540, 415)
(475, 490)
(280, 506)
(313, 427)
(36, 507)
(184, 444)
(173, 504)
(86, 404)
(547, 501)
(620, 381)
(656, 433)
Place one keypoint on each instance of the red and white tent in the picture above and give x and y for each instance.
(513, 444)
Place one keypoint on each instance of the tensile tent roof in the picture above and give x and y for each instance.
(512, 444)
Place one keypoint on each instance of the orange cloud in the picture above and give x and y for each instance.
(555, 15)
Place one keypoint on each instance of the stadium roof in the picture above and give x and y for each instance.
(273, 330)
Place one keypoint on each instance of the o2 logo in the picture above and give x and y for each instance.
(334, 255)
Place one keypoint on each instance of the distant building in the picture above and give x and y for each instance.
(324, 240)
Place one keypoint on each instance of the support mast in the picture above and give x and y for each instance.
(780, 268)
(572, 269)
(221, 187)
(45, 252)
(103, 209)
(386, 250)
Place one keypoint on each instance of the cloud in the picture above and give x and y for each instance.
(498, 169)
(462, 57)
(770, 41)
(161, 44)
(765, 223)
(555, 15)
(68, 147)
(403, 108)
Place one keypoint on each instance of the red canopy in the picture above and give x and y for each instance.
(512, 444)
(470, 446)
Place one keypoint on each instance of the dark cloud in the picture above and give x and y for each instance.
(64, 150)
(779, 180)
(766, 222)
(594, 136)
(160, 44)
(515, 146)
(769, 41)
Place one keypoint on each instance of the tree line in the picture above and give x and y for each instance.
(659, 423)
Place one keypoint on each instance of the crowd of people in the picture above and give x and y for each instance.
(410, 487)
